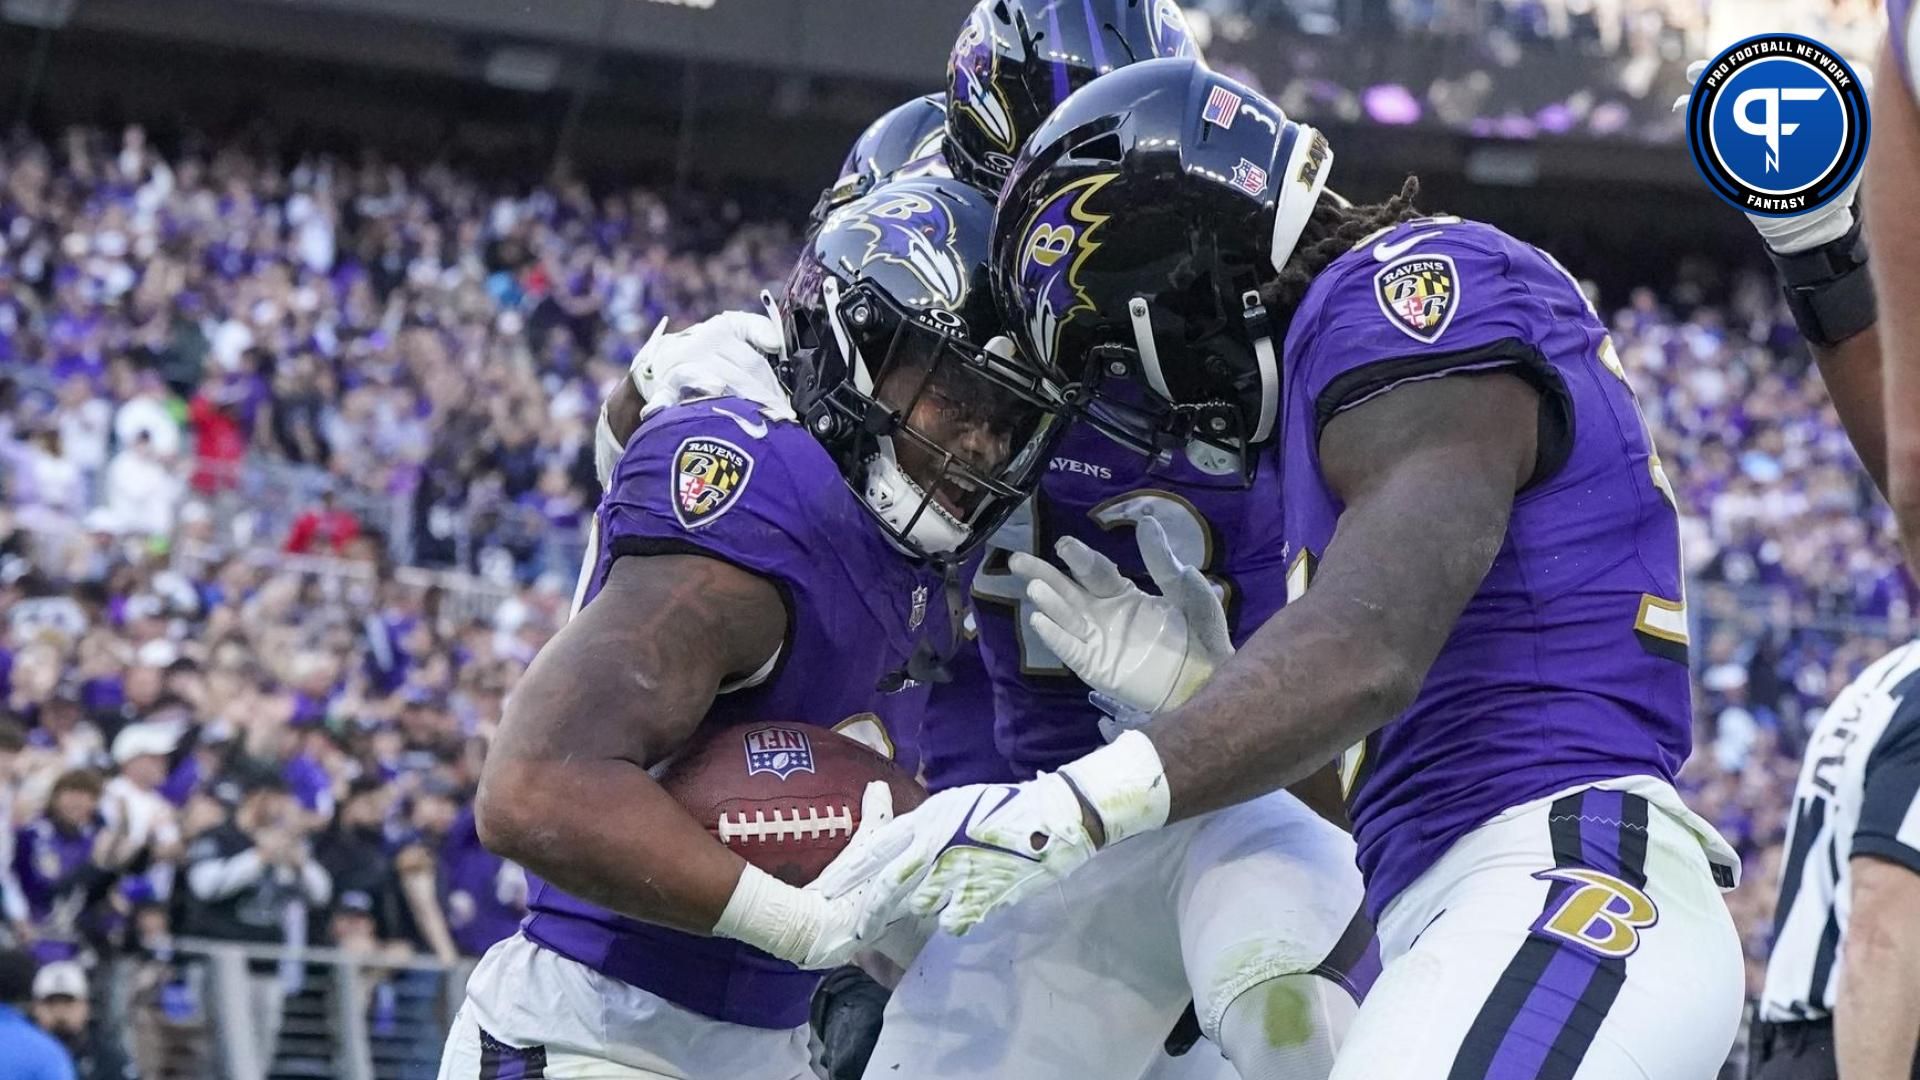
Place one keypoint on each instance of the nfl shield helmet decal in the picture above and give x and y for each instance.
(708, 477)
(781, 751)
(1418, 294)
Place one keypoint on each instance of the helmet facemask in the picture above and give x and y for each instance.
(945, 437)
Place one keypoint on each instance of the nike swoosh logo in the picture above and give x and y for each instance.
(963, 838)
(1389, 252)
(752, 428)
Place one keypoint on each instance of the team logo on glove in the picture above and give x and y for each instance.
(1778, 125)
(708, 477)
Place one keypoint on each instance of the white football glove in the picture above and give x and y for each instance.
(1802, 232)
(1146, 652)
(969, 851)
(730, 354)
(820, 926)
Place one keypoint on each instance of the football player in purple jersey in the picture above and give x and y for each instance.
(748, 563)
(1488, 630)
(1189, 915)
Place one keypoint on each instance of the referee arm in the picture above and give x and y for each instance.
(1877, 1017)
(1877, 1013)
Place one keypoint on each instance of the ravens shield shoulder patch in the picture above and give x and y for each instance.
(1418, 294)
(708, 477)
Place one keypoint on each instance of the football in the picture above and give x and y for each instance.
(786, 797)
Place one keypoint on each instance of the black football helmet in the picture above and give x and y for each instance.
(1016, 60)
(1132, 237)
(895, 362)
(905, 140)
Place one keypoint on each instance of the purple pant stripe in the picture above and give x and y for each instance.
(1544, 1016)
(1600, 830)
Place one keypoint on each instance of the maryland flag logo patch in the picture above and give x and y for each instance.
(708, 477)
(1418, 294)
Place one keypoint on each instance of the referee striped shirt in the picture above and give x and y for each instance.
(1858, 795)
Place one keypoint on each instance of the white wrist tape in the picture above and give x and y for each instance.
(771, 916)
(1125, 784)
(606, 448)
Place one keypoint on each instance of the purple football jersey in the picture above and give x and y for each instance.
(718, 478)
(957, 731)
(1095, 491)
(1569, 664)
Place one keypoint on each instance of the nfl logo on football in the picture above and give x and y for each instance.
(781, 751)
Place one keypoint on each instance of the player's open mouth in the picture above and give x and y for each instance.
(951, 492)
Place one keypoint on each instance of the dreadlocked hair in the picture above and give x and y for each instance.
(1333, 229)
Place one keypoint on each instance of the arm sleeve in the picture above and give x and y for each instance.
(13, 901)
(315, 882)
(1889, 825)
(212, 875)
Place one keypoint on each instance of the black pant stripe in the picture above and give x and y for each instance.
(1596, 1001)
(1529, 962)
(1516, 984)
(1502, 1007)
(491, 1053)
(1563, 828)
(498, 1061)
(1348, 950)
(1570, 1048)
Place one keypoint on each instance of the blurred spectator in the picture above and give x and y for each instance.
(61, 862)
(142, 828)
(62, 1009)
(355, 852)
(430, 818)
(143, 489)
(28, 1052)
(85, 423)
(324, 530)
(145, 416)
(13, 903)
(169, 1029)
(255, 879)
(485, 896)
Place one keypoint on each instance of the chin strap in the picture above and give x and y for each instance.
(893, 495)
(1260, 330)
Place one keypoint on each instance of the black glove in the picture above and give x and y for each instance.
(846, 1019)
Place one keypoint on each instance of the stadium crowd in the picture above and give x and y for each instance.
(243, 393)
(1630, 28)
